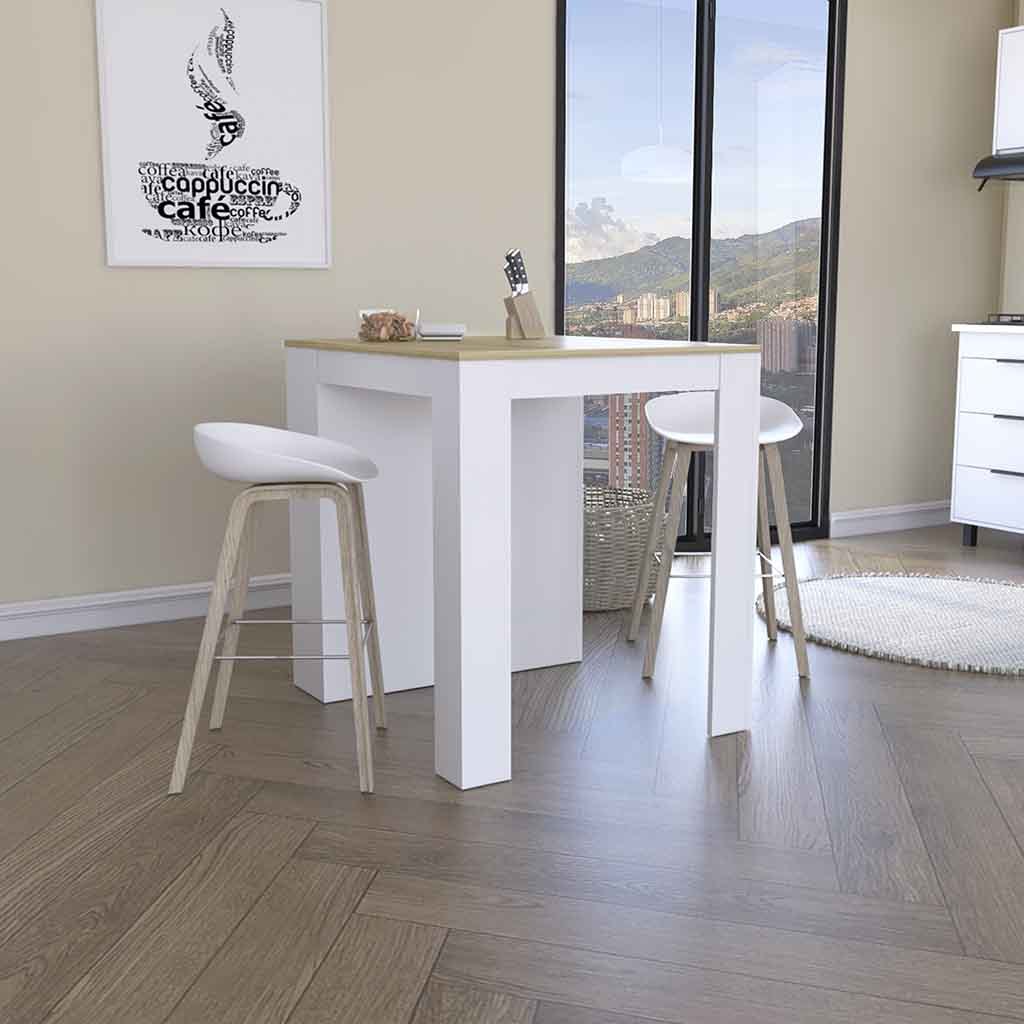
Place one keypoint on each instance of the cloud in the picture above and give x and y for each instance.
(594, 232)
(767, 55)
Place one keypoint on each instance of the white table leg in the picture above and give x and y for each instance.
(734, 515)
(547, 532)
(394, 430)
(472, 582)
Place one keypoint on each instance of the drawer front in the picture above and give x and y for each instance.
(981, 496)
(992, 345)
(992, 385)
(990, 441)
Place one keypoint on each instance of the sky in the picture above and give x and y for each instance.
(769, 118)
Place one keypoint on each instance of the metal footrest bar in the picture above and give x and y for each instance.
(284, 657)
(295, 622)
(707, 575)
(776, 573)
(368, 623)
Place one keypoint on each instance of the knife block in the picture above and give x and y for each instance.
(523, 320)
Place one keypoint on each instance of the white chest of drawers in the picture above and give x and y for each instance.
(988, 452)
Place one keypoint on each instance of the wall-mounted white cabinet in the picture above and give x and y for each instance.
(1009, 121)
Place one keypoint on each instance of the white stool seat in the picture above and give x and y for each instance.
(255, 454)
(689, 418)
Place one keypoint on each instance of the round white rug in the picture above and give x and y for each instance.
(950, 622)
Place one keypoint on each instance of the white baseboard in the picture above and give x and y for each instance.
(129, 607)
(889, 518)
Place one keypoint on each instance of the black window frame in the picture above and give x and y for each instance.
(697, 537)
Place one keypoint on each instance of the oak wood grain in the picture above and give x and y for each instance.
(879, 850)
(52, 950)
(657, 724)
(554, 347)
(31, 747)
(39, 798)
(940, 979)
(565, 1013)
(794, 908)
(653, 844)
(28, 696)
(664, 992)
(445, 1003)
(314, 743)
(258, 976)
(375, 972)
(39, 871)
(562, 698)
(611, 863)
(780, 798)
(977, 861)
(1004, 778)
(155, 962)
(577, 789)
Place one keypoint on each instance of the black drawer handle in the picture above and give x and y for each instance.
(1006, 472)
(1010, 360)
(1005, 416)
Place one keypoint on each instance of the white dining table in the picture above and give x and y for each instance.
(476, 524)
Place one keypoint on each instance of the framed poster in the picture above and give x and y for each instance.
(215, 132)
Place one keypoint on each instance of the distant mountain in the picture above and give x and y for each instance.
(781, 264)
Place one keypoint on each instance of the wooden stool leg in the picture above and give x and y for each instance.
(236, 610)
(345, 506)
(654, 532)
(764, 546)
(796, 617)
(369, 607)
(208, 645)
(667, 550)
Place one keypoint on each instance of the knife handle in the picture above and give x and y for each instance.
(519, 266)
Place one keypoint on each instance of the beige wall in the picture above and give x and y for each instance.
(105, 371)
(919, 248)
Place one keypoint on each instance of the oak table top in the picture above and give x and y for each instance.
(496, 348)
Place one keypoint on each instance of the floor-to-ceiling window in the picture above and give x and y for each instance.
(700, 142)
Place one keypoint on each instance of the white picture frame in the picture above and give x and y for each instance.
(215, 133)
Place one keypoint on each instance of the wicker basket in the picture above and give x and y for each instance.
(615, 524)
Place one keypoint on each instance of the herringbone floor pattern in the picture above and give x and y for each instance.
(856, 858)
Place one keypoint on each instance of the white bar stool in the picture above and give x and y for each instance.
(280, 464)
(687, 422)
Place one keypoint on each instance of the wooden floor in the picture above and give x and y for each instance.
(855, 858)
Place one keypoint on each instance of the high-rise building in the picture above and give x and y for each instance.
(655, 455)
(620, 299)
(628, 315)
(662, 308)
(787, 346)
(683, 304)
(629, 442)
(646, 307)
(777, 338)
(807, 357)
